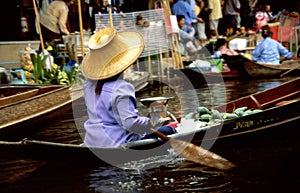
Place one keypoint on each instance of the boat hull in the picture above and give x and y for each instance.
(196, 79)
(22, 116)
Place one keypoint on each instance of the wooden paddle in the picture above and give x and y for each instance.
(195, 153)
(290, 70)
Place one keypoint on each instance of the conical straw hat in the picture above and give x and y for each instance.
(111, 53)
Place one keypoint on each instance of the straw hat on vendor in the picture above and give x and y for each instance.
(111, 53)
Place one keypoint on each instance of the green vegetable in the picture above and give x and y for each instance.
(216, 114)
(240, 111)
(203, 110)
(227, 116)
(257, 110)
(205, 117)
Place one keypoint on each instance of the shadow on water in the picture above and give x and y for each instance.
(263, 167)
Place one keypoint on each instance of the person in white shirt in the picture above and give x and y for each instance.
(54, 20)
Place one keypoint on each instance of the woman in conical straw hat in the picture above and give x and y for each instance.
(110, 100)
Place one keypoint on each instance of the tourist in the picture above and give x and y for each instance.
(186, 37)
(269, 50)
(215, 14)
(202, 15)
(262, 16)
(110, 100)
(231, 13)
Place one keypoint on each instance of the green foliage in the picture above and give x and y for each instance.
(64, 74)
(38, 67)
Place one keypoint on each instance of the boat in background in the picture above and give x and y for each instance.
(23, 106)
(251, 69)
(207, 71)
(192, 77)
(257, 70)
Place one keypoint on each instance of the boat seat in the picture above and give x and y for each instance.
(273, 102)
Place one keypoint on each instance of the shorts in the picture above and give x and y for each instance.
(213, 24)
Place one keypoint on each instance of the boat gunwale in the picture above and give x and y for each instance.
(55, 90)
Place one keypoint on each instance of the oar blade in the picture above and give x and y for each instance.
(200, 155)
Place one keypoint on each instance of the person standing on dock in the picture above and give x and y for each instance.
(54, 20)
(110, 100)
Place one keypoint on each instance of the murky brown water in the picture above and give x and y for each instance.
(263, 167)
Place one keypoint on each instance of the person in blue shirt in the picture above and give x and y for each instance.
(189, 44)
(269, 51)
(181, 7)
(110, 100)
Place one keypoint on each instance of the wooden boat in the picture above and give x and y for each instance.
(280, 109)
(193, 77)
(23, 106)
(235, 62)
(252, 69)
(257, 70)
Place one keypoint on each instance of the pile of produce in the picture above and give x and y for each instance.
(203, 114)
(37, 72)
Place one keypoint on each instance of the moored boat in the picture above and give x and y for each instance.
(197, 76)
(278, 107)
(257, 70)
(24, 106)
(252, 69)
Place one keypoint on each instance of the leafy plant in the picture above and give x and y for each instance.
(38, 62)
(64, 74)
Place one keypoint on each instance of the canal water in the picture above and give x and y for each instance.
(269, 168)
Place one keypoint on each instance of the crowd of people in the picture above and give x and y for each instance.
(224, 19)
(198, 20)
(211, 18)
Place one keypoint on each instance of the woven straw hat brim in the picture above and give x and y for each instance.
(114, 56)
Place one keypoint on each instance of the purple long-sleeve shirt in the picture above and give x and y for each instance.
(112, 116)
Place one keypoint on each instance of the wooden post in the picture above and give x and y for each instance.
(81, 29)
(175, 47)
(41, 35)
(149, 58)
(110, 14)
(39, 27)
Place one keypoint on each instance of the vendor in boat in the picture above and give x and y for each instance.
(110, 100)
(269, 51)
(222, 48)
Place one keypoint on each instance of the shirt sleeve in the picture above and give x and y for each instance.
(62, 21)
(187, 33)
(125, 103)
(284, 52)
(256, 52)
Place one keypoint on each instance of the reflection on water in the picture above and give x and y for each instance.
(261, 169)
(180, 176)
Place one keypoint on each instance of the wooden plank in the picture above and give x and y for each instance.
(273, 102)
(18, 97)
